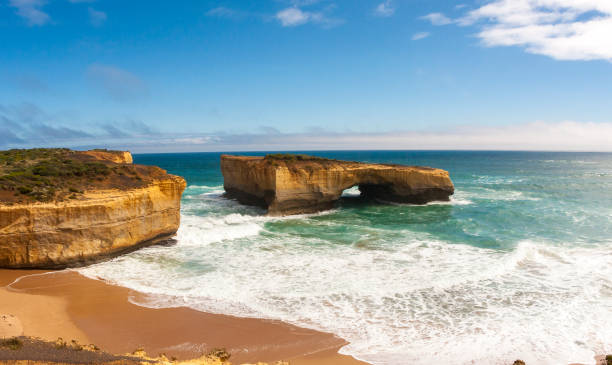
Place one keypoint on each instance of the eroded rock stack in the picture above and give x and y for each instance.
(289, 184)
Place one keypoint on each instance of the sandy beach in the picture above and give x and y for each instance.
(68, 305)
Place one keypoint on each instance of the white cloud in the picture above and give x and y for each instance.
(561, 29)
(437, 19)
(31, 10)
(291, 17)
(420, 35)
(288, 17)
(385, 9)
(223, 12)
(96, 17)
(294, 16)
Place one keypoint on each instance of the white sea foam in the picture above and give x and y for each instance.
(420, 301)
(500, 194)
(398, 297)
(459, 198)
(351, 192)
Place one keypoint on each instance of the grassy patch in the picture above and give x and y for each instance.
(11, 343)
(55, 174)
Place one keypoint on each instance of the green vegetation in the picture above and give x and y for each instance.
(609, 359)
(292, 157)
(11, 343)
(48, 174)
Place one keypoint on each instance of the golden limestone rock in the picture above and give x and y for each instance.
(294, 184)
(61, 208)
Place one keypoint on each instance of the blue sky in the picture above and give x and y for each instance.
(306, 74)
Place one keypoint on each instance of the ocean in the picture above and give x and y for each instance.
(517, 265)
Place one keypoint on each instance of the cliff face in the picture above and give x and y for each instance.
(95, 225)
(305, 186)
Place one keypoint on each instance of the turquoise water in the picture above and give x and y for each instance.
(517, 265)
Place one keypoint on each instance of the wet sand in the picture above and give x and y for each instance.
(68, 305)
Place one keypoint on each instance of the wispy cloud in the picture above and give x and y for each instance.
(291, 17)
(385, 9)
(96, 17)
(224, 12)
(420, 35)
(295, 16)
(437, 19)
(128, 128)
(537, 136)
(27, 124)
(29, 83)
(119, 84)
(31, 11)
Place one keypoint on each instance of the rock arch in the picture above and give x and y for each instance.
(289, 184)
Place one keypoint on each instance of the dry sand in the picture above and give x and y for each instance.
(68, 305)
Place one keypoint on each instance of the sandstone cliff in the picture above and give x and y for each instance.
(112, 156)
(289, 185)
(104, 220)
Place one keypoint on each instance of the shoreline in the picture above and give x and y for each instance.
(67, 304)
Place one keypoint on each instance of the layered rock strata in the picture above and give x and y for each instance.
(287, 186)
(96, 225)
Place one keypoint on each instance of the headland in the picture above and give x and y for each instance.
(62, 208)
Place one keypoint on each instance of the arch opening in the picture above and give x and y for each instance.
(352, 192)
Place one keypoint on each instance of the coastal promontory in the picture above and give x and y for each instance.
(61, 208)
(287, 184)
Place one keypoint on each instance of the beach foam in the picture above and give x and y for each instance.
(517, 265)
(417, 300)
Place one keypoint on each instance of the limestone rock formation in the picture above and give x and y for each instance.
(289, 184)
(112, 156)
(122, 214)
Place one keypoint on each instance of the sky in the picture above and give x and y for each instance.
(178, 76)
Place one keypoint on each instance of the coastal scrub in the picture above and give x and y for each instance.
(57, 174)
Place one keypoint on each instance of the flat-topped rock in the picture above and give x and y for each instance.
(295, 184)
(62, 208)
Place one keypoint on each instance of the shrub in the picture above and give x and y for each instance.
(219, 353)
(60, 343)
(24, 189)
(609, 360)
(12, 343)
(48, 174)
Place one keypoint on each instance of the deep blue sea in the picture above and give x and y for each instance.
(517, 265)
